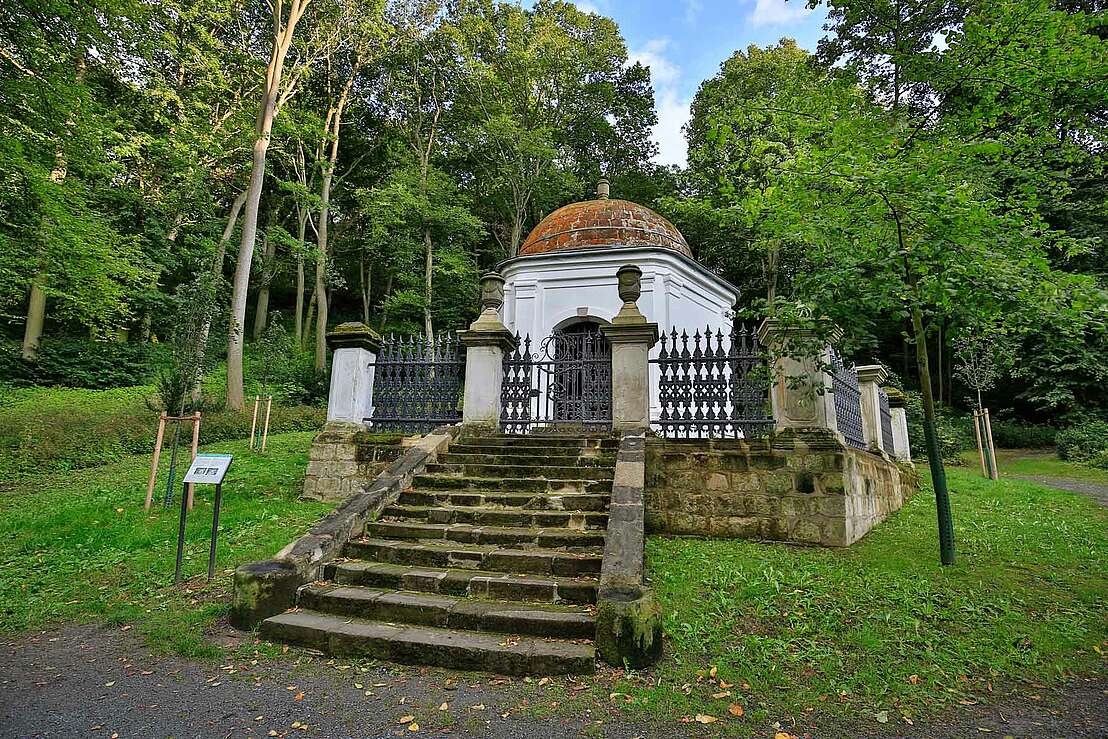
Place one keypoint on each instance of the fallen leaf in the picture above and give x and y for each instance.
(478, 707)
(882, 717)
(735, 709)
(298, 697)
(413, 727)
(713, 672)
(444, 707)
(108, 685)
(406, 719)
(913, 679)
(725, 685)
(783, 735)
(704, 718)
(296, 724)
(544, 681)
(359, 686)
(722, 694)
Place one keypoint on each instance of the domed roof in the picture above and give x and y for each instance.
(603, 223)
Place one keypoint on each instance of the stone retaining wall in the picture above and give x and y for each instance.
(798, 486)
(343, 460)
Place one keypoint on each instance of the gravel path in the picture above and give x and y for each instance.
(1099, 493)
(97, 681)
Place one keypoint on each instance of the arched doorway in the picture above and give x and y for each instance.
(565, 382)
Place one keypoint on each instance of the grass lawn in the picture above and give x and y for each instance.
(881, 631)
(77, 546)
(1038, 462)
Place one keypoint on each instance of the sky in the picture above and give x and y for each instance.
(684, 42)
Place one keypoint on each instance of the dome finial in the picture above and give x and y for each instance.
(602, 189)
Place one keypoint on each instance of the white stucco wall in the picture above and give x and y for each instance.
(544, 291)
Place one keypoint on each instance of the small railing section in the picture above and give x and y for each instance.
(848, 401)
(712, 386)
(886, 422)
(417, 383)
(564, 383)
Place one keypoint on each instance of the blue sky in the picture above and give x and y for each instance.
(684, 42)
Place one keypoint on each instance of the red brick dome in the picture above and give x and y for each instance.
(603, 223)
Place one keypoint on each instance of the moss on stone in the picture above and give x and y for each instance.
(628, 627)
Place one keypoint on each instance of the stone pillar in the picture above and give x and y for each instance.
(870, 379)
(631, 337)
(800, 389)
(354, 348)
(486, 341)
(898, 406)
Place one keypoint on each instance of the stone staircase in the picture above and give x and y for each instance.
(489, 562)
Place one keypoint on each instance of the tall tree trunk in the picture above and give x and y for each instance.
(365, 275)
(298, 320)
(939, 361)
(320, 295)
(428, 265)
(282, 39)
(261, 313)
(385, 303)
(36, 315)
(308, 321)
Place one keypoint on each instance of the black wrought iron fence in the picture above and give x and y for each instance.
(886, 422)
(565, 382)
(848, 401)
(711, 386)
(417, 383)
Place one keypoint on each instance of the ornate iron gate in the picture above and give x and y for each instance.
(886, 422)
(567, 382)
(848, 401)
(417, 384)
(714, 389)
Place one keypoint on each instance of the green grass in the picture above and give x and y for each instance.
(1032, 462)
(881, 626)
(77, 546)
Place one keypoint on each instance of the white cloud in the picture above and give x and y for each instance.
(673, 109)
(587, 7)
(777, 12)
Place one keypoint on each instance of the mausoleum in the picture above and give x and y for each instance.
(502, 481)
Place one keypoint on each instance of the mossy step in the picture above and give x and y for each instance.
(535, 470)
(500, 535)
(479, 516)
(451, 612)
(528, 458)
(513, 484)
(535, 501)
(484, 557)
(428, 645)
(471, 583)
(545, 441)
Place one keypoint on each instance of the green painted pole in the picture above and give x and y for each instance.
(942, 493)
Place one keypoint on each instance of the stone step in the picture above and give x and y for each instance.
(427, 645)
(483, 557)
(471, 583)
(546, 472)
(501, 535)
(531, 501)
(540, 441)
(535, 456)
(513, 484)
(478, 516)
(445, 611)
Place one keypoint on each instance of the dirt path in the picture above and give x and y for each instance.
(102, 682)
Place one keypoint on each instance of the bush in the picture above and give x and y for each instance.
(43, 429)
(1086, 441)
(79, 363)
(1017, 435)
(955, 432)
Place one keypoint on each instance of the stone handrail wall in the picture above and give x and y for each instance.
(263, 589)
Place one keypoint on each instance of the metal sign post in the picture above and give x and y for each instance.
(209, 469)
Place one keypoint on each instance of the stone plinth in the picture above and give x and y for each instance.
(804, 487)
(800, 389)
(354, 348)
(631, 337)
(486, 342)
(870, 379)
(901, 449)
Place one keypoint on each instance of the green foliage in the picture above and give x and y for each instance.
(57, 429)
(955, 431)
(195, 311)
(80, 363)
(1008, 434)
(1085, 441)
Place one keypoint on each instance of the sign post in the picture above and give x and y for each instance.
(207, 469)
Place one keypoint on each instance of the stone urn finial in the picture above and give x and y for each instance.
(602, 189)
(629, 280)
(492, 291)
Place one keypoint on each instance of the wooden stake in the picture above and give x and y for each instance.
(980, 449)
(995, 473)
(154, 463)
(265, 431)
(254, 423)
(195, 447)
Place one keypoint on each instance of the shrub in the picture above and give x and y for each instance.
(42, 429)
(1017, 435)
(1086, 441)
(80, 363)
(954, 432)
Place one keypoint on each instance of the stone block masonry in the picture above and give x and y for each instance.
(343, 460)
(804, 487)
